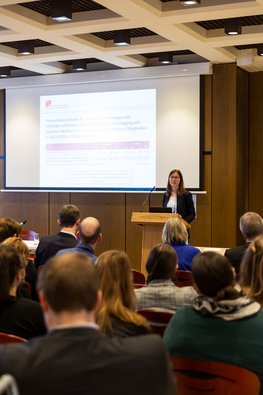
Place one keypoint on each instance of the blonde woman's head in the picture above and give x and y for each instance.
(21, 248)
(174, 231)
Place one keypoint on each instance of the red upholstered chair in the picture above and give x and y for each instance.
(183, 278)
(198, 377)
(8, 338)
(158, 319)
(139, 285)
(138, 277)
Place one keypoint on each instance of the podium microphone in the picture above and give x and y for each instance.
(23, 222)
(147, 197)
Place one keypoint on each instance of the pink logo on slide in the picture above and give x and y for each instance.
(48, 103)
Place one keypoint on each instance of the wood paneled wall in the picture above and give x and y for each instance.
(229, 150)
(256, 143)
(232, 162)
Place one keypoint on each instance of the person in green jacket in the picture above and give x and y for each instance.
(222, 324)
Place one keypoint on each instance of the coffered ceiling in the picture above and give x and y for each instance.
(190, 33)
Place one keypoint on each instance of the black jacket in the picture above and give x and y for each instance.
(81, 361)
(185, 205)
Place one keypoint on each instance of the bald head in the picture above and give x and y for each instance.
(90, 230)
(251, 225)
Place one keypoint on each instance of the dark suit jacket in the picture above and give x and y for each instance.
(235, 255)
(81, 361)
(185, 205)
(50, 245)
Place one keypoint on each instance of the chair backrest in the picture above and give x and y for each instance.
(136, 286)
(158, 319)
(138, 277)
(183, 278)
(197, 377)
(8, 338)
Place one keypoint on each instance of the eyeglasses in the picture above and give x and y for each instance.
(174, 177)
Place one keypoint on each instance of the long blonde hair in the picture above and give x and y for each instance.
(118, 297)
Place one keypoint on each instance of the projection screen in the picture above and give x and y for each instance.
(103, 134)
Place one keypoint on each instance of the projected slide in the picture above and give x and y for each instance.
(98, 140)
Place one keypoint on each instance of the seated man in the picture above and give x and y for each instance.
(90, 235)
(251, 226)
(75, 358)
(68, 221)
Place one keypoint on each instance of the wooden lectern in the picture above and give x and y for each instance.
(152, 224)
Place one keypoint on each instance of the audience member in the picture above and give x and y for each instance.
(90, 235)
(116, 315)
(251, 271)
(23, 252)
(222, 325)
(75, 358)
(68, 221)
(160, 291)
(175, 234)
(8, 228)
(18, 316)
(251, 226)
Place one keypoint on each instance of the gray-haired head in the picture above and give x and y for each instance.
(251, 225)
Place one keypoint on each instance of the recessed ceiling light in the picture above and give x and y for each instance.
(5, 72)
(166, 58)
(25, 47)
(79, 65)
(122, 37)
(190, 2)
(62, 10)
(233, 26)
(260, 49)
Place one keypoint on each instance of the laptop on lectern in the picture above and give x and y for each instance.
(153, 209)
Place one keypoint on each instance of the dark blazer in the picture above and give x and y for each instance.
(81, 361)
(235, 255)
(50, 245)
(185, 205)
